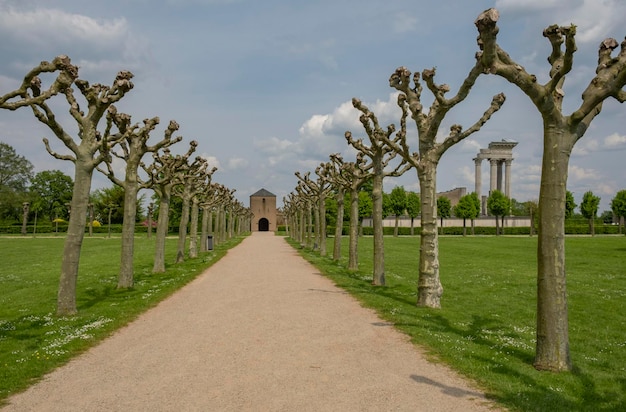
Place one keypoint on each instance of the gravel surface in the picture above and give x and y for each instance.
(261, 330)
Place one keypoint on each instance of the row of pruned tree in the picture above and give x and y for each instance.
(561, 132)
(95, 148)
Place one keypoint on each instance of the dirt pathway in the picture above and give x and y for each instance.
(260, 330)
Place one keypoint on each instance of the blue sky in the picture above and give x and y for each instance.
(265, 86)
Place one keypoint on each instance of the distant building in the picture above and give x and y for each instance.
(454, 195)
(263, 206)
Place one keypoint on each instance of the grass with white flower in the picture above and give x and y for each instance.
(33, 340)
(486, 326)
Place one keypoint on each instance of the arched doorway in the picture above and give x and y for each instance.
(264, 225)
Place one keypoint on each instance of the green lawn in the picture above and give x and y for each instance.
(34, 341)
(486, 327)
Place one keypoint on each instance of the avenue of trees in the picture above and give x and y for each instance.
(104, 134)
(555, 203)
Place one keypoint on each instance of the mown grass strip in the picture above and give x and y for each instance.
(486, 327)
(33, 341)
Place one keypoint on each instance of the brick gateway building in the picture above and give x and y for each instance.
(263, 206)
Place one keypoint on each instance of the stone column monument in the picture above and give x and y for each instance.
(498, 153)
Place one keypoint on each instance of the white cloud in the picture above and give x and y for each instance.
(95, 45)
(470, 146)
(585, 147)
(404, 23)
(594, 20)
(578, 173)
(212, 161)
(237, 163)
(615, 141)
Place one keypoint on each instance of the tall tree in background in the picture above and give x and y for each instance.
(560, 134)
(398, 201)
(570, 204)
(380, 154)
(465, 209)
(15, 174)
(413, 208)
(618, 207)
(589, 209)
(15, 170)
(88, 151)
(50, 190)
(478, 206)
(444, 209)
(133, 146)
(426, 159)
(366, 208)
(498, 205)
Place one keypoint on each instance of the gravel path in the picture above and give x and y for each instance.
(260, 330)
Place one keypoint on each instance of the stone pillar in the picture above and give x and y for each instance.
(507, 177)
(477, 176)
(493, 174)
(500, 176)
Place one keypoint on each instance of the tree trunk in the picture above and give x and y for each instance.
(204, 229)
(464, 229)
(552, 351)
(429, 289)
(378, 278)
(316, 227)
(338, 225)
(322, 224)
(182, 231)
(497, 226)
(193, 231)
(302, 228)
(125, 277)
(161, 232)
(66, 298)
(353, 259)
(395, 229)
(412, 226)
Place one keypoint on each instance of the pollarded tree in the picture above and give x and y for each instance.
(589, 209)
(560, 134)
(133, 145)
(498, 205)
(316, 191)
(88, 151)
(201, 187)
(352, 176)
(163, 175)
(413, 208)
(398, 201)
(426, 159)
(618, 206)
(193, 179)
(30, 93)
(340, 183)
(380, 153)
